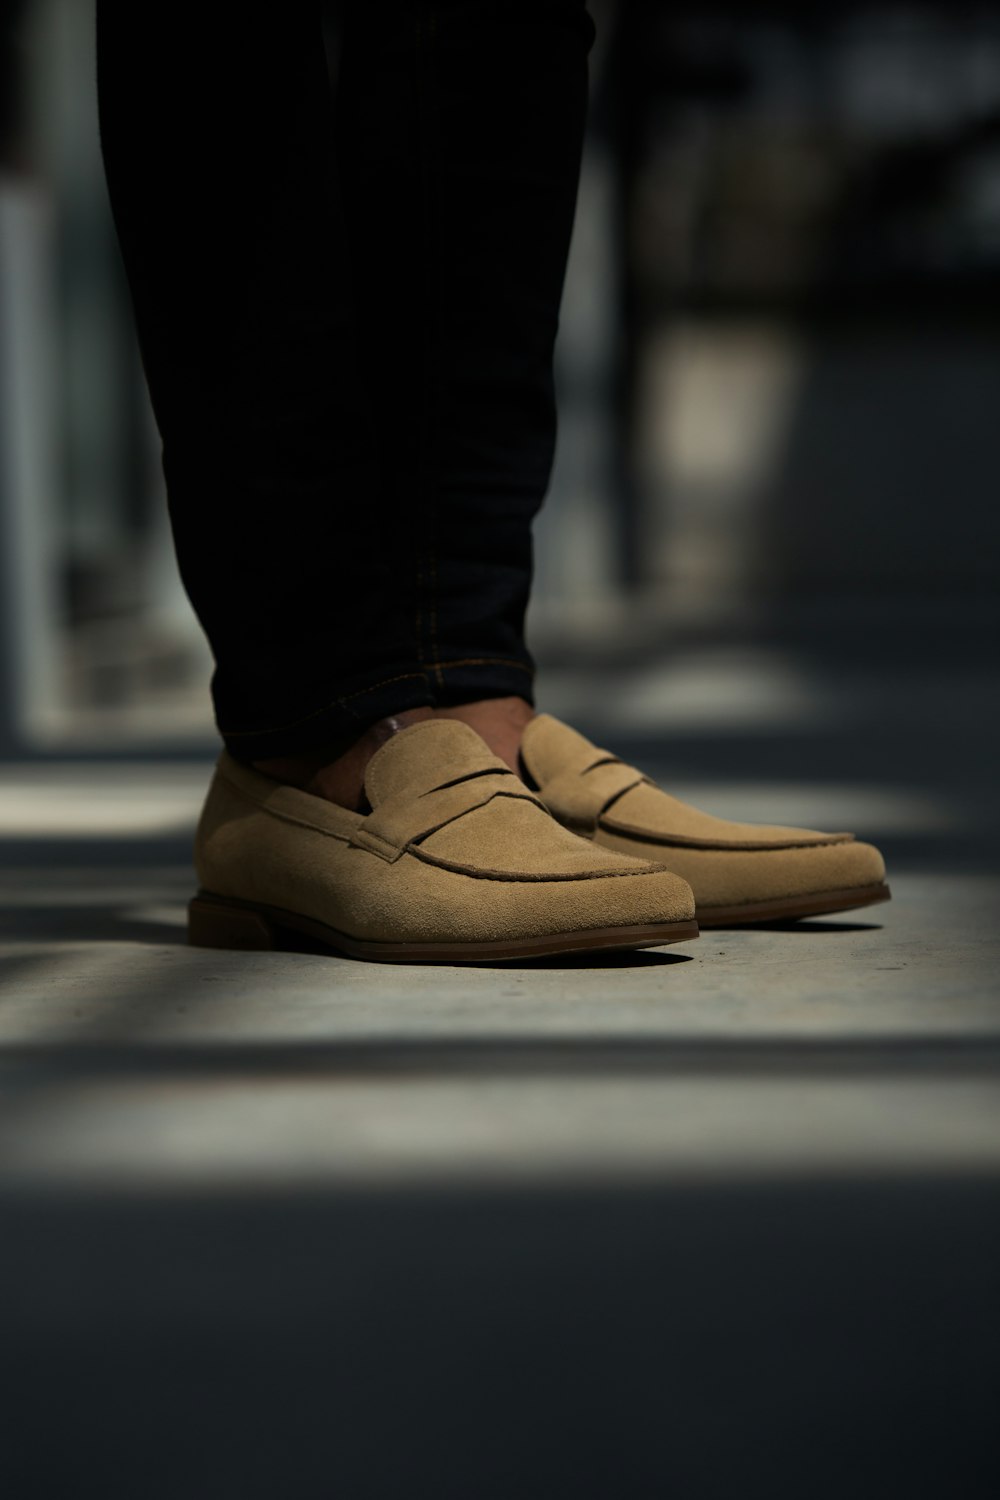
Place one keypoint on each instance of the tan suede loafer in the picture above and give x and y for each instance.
(739, 872)
(457, 862)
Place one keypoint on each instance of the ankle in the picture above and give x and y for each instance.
(498, 721)
(340, 778)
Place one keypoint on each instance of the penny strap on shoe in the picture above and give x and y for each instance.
(426, 757)
(403, 820)
(591, 792)
(583, 795)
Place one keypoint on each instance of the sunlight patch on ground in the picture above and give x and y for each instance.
(103, 801)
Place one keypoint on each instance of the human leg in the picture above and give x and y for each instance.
(459, 130)
(466, 135)
(217, 135)
(352, 513)
(307, 479)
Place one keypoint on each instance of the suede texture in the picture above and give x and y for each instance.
(726, 863)
(455, 849)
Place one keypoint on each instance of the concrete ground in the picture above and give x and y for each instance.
(708, 1220)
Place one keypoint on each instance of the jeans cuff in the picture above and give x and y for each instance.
(334, 726)
(465, 679)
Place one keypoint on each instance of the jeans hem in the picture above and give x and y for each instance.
(337, 725)
(342, 721)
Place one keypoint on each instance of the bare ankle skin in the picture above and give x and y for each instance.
(341, 779)
(498, 721)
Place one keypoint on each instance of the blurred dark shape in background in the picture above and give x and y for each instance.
(779, 362)
(802, 216)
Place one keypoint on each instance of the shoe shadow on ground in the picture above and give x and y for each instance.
(98, 924)
(615, 958)
(809, 926)
(142, 922)
(636, 958)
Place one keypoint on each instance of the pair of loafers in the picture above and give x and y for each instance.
(461, 861)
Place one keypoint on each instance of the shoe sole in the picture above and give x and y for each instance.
(790, 908)
(226, 922)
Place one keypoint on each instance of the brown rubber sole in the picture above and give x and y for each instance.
(225, 922)
(790, 908)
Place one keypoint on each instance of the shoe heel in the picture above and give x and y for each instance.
(214, 923)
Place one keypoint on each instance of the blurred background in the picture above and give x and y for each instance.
(710, 1223)
(779, 374)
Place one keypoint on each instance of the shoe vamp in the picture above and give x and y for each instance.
(647, 812)
(511, 838)
(722, 877)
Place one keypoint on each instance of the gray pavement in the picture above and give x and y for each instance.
(709, 1219)
(839, 1045)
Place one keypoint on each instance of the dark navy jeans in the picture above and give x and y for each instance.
(346, 297)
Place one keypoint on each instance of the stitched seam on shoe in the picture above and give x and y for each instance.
(375, 844)
(280, 813)
(679, 841)
(517, 877)
(237, 734)
(565, 788)
(444, 820)
(464, 812)
(518, 790)
(463, 776)
(617, 796)
(869, 885)
(374, 778)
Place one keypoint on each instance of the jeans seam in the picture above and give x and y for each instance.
(486, 661)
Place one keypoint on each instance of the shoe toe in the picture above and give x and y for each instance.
(746, 871)
(746, 877)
